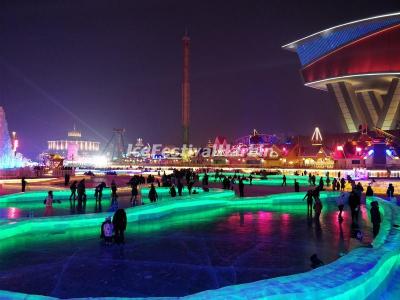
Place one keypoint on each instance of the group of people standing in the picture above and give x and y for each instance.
(338, 184)
(78, 193)
(353, 199)
(229, 182)
(179, 177)
(313, 203)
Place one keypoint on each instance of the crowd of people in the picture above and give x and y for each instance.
(179, 180)
(353, 199)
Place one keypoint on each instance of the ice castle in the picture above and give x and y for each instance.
(8, 159)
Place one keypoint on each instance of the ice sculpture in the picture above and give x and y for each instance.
(8, 159)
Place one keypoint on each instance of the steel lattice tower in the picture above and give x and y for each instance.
(186, 89)
(116, 144)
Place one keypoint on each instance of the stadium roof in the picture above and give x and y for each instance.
(318, 44)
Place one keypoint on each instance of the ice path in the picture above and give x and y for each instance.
(359, 275)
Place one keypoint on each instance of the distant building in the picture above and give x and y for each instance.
(74, 146)
(375, 149)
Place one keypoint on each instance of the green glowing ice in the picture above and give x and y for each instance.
(272, 180)
(355, 276)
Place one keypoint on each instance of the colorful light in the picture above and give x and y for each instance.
(389, 152)
(372, 266)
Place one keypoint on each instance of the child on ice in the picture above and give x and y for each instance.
(107, 229)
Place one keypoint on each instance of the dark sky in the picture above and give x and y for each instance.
(104, 64)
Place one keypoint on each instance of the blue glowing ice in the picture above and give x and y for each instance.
(8, 159)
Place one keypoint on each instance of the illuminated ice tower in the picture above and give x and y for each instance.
(186, 89)
(8, 158)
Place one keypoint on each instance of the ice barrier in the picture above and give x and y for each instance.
(354, 276)
(35, 196)
(272, 180)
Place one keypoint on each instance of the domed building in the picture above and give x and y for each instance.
(73, 147)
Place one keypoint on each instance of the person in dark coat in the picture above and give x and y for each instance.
(73, 188)
(134, 193)
(317, 208)
(190, 186)
(119, 221)
(359, 189)
(342, 184)
(98, 193)
(67, 177)
(315, 261)
(310, 199)
(172, 191)
(296, 186)
(354, 203)
(284, 180)
(328, 181)
(375, 218)
(204, 182)
(369, 192)
(334, 184)
(390, 190)
(81, 194)
(153, 196)
(113, 188)
(205, 179)
(23, 184)
(226, 183)
(180, 187)
(321, 184)
(241, 187)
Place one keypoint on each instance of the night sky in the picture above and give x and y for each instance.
(104, 64)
